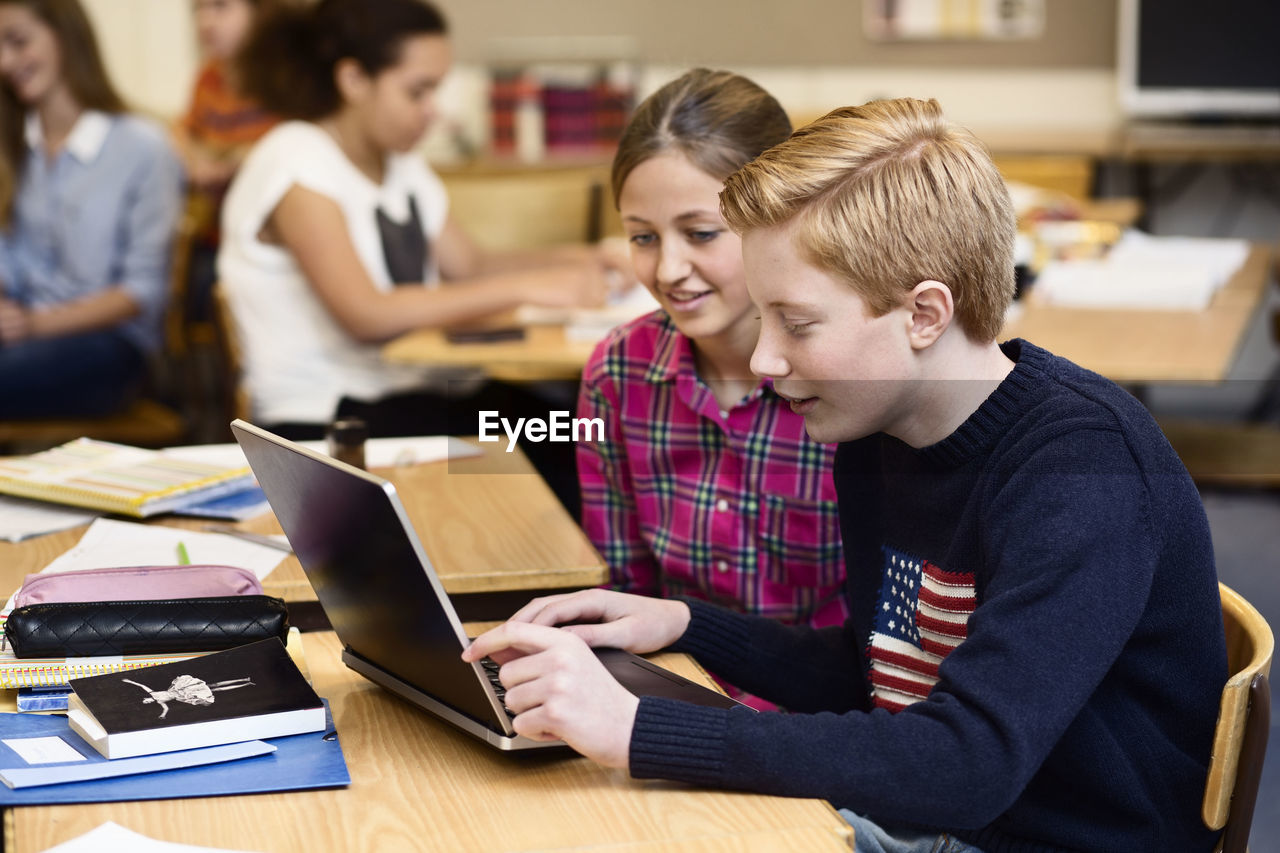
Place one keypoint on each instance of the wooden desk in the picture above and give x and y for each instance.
(1123, 345)
(488, 523)
(544, 354)
(1140, 346)
(1154, 141)
(1123, 212)
(418, 784)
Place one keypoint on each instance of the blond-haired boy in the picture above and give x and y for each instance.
(1035, 648)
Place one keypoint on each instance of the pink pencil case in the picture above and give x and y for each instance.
(137, 583)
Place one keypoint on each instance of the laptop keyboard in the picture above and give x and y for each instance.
(491, 668)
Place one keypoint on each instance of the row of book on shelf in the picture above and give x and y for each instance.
(536, 114)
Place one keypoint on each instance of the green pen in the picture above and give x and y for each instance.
(184, 559)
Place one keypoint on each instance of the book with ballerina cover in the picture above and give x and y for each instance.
(118, 478)
(250, 692)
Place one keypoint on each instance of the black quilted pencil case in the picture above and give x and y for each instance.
(94, 628)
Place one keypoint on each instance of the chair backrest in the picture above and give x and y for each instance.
(176, 332)
(229, 347)
(503, 209)
(147, 423)
(1071, 174)
(1240, 737)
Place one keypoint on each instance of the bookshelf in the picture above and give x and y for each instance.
(559, 99)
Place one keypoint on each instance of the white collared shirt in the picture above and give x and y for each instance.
(85, 140)
(99, 213)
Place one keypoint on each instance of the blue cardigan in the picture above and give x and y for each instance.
(1077, 712)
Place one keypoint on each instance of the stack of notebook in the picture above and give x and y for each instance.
(118, 478)
(238, 721)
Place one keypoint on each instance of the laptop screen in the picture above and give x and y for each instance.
(372, 578)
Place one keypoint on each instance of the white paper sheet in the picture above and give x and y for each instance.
(21, 518)
(109, 543)
(591, 324)
(379, 452)
(111, 837)
(43, 750)
(1140, 271)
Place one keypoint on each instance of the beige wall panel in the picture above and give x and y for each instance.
(1078, 33)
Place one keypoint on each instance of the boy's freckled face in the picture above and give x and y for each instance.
(847, 372)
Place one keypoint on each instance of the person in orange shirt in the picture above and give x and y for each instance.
(220, 126)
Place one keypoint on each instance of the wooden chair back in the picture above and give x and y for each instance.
(1064, 173)
(1244, 718)
(232, 355)
(145, 423)
(1226, 453)
(523, 209)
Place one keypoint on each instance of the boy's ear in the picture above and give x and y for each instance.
(932, 309)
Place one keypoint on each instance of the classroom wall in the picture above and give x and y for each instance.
(150, 51)
(811, 53)
(806, 33)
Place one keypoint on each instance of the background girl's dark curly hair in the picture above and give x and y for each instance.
(85, 76)
(288, 62)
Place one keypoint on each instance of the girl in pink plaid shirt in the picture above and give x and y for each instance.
(706, 483)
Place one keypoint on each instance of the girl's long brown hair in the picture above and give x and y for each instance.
(83, 71)
(719, 120)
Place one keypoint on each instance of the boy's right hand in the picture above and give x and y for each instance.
(634, 623)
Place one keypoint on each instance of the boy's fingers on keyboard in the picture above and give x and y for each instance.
(530, 611)
(588, 605)
(521, 670)
(519, 637)
(531, 724)
(612, 634)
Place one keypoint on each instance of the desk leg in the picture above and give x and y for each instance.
(1144, 188)
(1141, 392)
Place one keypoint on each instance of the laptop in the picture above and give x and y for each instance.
(377, 586)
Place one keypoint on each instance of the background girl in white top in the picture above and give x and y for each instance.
(330, 212)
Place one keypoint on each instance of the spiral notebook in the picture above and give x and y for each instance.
(118, 478)
(55, 672)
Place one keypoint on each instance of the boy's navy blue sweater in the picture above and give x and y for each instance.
(1079, 711)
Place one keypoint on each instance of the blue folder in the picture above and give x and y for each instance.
(312, 760)
(236, 506)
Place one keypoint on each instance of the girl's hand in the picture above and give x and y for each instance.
(635, 623)
(577, 285)
(615, 254)
(15, 322)
(558, 689)
(208, 173)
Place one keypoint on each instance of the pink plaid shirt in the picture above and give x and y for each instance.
(682, 498)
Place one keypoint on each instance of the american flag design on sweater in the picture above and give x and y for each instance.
(922, 613)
